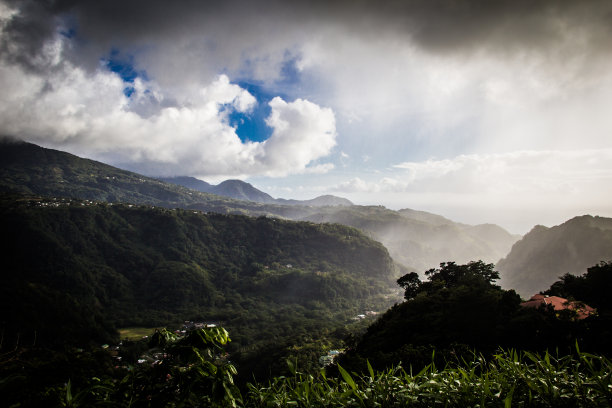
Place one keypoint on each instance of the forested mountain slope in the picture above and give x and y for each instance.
(27, 168)
(75, 270)
(31, 169)
(545, 254)
(417, 239)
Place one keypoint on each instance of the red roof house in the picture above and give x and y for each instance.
(558, 303)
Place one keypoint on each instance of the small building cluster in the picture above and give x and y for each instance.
(329, 358)
(369, 313)
(190, 325)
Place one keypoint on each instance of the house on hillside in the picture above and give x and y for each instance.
(581, 310)
(328, 359)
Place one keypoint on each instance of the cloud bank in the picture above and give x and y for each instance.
(569, 172)
(475, 188)
(89, 113)
(403, 77)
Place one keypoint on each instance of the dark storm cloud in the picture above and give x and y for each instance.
(25, 33)
(450, 24)
(436, 25)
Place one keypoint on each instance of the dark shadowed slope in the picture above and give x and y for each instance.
(73, 270)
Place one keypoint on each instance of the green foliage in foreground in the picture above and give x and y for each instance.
(194, 371)
(509, 379)
(189, 371)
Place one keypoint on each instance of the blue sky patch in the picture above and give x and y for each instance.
(123, 65)
(252, 126)
(128, 91)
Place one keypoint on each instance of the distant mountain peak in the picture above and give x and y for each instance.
(425, 217)
(241, 190)
(189, 182)
(327, 200)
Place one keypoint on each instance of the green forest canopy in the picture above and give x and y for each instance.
(77, 270)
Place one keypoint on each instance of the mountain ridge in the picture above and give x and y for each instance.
(544, 254)
(241, 190)
(416, 239)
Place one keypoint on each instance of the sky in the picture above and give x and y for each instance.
(482, 111)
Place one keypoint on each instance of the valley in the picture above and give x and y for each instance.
(96, 255)
(305, 204)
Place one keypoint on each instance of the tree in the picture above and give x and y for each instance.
(449, 275)
(592, 288)
(456, 310)
(411, 284)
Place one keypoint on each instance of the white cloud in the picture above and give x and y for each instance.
(416, 103)
(87, 113)
(356, 185)
(522, 172)
(303, 132)
(6, 13)
(319, 168)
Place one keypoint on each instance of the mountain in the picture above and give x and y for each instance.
(421, 240)
(189, 182)
(417, 239)
(240, 190)
(423, 216)
(31, 169)
(321, 201)
(545, 254)
(74, 270)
